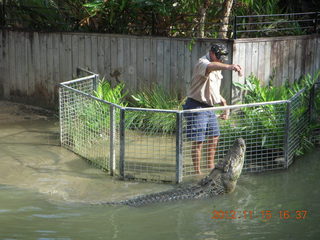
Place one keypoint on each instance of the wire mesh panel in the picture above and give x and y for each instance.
(149, 149)
(261, 126)
(167, 145)
(315, 113)
(299, 121)
(85, 123)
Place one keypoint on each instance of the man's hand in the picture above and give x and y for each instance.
(225, 115)
(237, 68)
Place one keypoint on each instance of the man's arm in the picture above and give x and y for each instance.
(215, 66)
(226, 113)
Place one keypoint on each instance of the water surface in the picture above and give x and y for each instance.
(47, 192)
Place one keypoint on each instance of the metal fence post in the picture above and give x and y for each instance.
(122, 142)
(179, 156)
(287, 134)
(235, 27)
(95, 82)
(112, 160)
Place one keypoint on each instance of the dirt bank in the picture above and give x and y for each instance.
(17, 112)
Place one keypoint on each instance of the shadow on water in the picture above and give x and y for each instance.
(46, 193)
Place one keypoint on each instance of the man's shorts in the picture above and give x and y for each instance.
(200, 124)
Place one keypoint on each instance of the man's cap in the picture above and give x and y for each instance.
(220, 50)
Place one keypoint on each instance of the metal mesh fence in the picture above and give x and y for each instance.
(261, 125)
(85, 122)
(149, 150)
(298, 122)
(315, 113)
(160, 145)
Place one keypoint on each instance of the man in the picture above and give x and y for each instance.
(204, 92)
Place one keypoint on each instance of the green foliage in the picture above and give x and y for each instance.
(155, 122)
(111, 94)
(147, 17)
(267, 115)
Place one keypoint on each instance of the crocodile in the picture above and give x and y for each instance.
(222, 179)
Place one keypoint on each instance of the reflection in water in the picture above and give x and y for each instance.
(46, 193)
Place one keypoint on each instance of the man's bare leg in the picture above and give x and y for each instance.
(196, 156)
(211, 148)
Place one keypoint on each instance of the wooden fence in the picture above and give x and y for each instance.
(280, 58)
(32, 63)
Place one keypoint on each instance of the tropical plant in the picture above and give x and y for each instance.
(267, 115)
(155, 121)
(111, 94)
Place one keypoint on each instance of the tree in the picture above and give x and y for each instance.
(227, 6)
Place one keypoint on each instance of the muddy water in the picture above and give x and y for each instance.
(46, 192)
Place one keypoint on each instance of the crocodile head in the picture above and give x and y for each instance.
(226, 173)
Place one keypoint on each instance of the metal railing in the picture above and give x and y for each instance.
(275, 24)
(125, 141)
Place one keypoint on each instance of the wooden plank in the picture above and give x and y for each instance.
(303, 57)
(255, 58)
(107, 57)
(65, 58)
(153, 60)
(120, 59)
(50, 56)
(308, 59)
(187, 69)
(126, 59)
(30, 76)
(38, 82)
(56, 63)
(160, 62)
(12, 63)
(75, 54)
(261, 62)
(100, 56)
(180, 68)
(273, 61)
(279, 56)
(285, 61)
(242, 61)
(237, 58)
(68, 52)
(4, 64)
(248, 66)
(88, 52)
(94, 54)
(22, 59)
(81, 51)
(147, 63)
(297, 60)
(167, 63)
(291, 64)
(132, 69)
(15, 66)
(114, 60)
(268, 70)
(140, 65)
(173, 67)
(43, 57)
